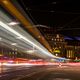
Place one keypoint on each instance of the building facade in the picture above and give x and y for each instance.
(62, 49)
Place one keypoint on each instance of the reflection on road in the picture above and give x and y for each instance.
(17, 70)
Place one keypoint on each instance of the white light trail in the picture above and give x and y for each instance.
(25, 38)
(13, 23)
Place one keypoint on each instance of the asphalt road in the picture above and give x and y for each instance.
(58, 73)
(39, 73)
(17, 72)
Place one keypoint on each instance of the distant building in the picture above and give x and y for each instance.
(62, 49)
(59, 45)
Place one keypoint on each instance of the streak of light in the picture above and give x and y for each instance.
(25, 38)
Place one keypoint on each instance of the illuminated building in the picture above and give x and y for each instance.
(63, 49)
(59, 45)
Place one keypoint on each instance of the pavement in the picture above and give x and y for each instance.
(58, 73)
(51, 72)
(17, 72)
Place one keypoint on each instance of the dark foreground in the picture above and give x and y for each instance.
(40, 73)
(58, 73)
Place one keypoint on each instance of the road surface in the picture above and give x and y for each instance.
(58, 73)
(25, 72)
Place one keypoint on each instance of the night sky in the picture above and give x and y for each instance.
(63, 16)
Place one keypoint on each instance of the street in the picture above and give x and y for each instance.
(15, 72)
(58, 73)
(46, 72)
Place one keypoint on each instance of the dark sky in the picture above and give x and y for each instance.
(61, 15)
